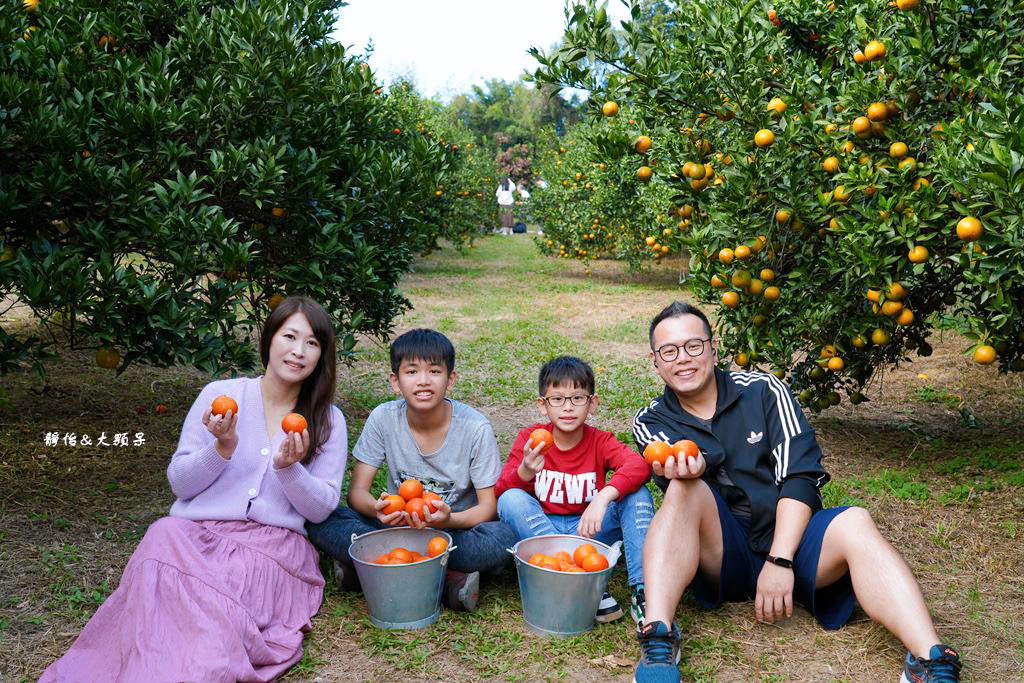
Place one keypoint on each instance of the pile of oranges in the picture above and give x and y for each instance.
(436, 546)
(585, 558)
(412, 500)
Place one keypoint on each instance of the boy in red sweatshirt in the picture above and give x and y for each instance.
(563, 491)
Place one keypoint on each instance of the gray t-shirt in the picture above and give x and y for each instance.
(467, 460)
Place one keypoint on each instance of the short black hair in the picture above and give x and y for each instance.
(422, 344)
(675, 310)
(566, 370)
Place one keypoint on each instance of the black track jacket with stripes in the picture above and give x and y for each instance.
(760, 436)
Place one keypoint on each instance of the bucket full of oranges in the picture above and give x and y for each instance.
(561, 580)
(401, 570)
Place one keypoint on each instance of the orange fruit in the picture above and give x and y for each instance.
(563, 556)
(644, 173)
(400, 554)
(433, 500)
(969, 229)
(874, 50)
(764, 138)
(778, 105)
(642, 144)
(726, 255)
(107, 357)
(395, 504)
(685, 449)
(610, 108)
(543, 438)
(594, 562)
(536, 558)
(898, 150)
(831, 164)
(835, 364)
(918, 254)
(584, 549)
(859, 57)
(896, 291)
(275, 301)
(768, 275)
(222, 404)
(382, 559)
(891, 308)
(657, 451)
(742, 252)
(436, 546)
(861, 125)
(907, 5)
(880, 337)
(905, 317)
(293, 422)
(550, 563)
(731, 299)
(277, 212)
(410, 488)
(717, 282)
(417, 507)
(985, 355)
(877, 111)
(782, 215)
(772, 293)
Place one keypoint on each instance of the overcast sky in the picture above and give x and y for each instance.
(447, 46)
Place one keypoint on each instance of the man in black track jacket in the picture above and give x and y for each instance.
(744, 519)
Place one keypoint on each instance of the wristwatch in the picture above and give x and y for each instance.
(780, 561)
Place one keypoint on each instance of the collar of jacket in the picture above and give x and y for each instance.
(727, 395)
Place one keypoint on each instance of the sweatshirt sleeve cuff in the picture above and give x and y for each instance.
(625, 485)
(803, 490)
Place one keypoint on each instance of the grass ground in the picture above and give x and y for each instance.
(950, 495)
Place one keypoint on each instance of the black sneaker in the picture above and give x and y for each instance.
(345, 577)
(461, 591)
(660, 660)
(942, 666)
(637, 603)
(608, 609)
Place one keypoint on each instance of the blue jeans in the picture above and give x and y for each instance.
(626, 520)
(480, 549)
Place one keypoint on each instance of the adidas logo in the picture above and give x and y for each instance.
(754, 437)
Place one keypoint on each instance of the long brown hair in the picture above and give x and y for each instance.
(317, 392)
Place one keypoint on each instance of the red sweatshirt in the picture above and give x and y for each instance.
(570, 478)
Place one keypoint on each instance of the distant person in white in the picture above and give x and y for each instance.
(506, 194)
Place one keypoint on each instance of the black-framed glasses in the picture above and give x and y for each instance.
(559, 401)
(693, 348)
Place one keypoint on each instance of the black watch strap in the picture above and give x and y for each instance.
(780, 561)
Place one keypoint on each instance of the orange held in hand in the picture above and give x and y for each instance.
(685, 449)
(417, 507)
(410, 488)
(436, 546)
(543, 438)
(657, 452)
(433, 500)
(293, 422)
(395, 504)
(222, 404)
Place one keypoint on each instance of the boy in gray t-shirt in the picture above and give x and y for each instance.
(447, 446)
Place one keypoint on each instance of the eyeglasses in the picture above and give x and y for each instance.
(559, 401)
(693, 348)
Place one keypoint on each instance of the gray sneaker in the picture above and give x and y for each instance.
(608, 609)
(637, 603)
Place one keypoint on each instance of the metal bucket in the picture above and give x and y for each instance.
(400, 595)
(555, 603)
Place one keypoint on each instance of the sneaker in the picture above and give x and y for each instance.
(608, 609)
(461, 591)
(942, 666)
(637, 603)
(345, 577)
(660, 660)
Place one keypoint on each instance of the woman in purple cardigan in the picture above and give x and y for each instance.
(225, 587)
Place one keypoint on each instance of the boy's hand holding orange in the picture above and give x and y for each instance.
(533, 460)
(390, 509)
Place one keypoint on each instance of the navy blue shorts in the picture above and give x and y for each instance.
(831, 605)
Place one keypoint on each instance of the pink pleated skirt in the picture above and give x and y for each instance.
(201, 601)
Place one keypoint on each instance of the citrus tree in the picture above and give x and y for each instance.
(866, 163)
(168, 169)
(597, 200)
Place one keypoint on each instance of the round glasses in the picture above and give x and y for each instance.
(693, 348)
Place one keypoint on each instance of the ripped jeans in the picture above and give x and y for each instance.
(626, 519)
